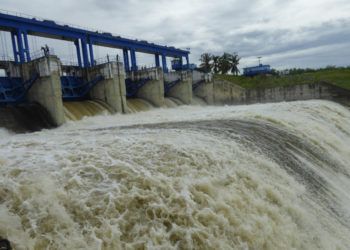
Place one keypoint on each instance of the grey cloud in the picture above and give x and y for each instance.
(250, 28)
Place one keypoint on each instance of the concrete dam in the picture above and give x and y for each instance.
(39, 90)
(59, 93)
(42, 92)
(261, 176)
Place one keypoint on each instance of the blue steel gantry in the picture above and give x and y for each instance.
(21, 27)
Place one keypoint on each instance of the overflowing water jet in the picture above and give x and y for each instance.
(77, 110)
(198, 101)
(25, 118)
(137, 105)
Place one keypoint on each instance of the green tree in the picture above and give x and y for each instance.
(225, 63)
(234, 59)
(206, 65)
(216, 64)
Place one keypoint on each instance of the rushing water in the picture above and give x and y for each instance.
(75, 111)
(24, 118)
(140, 105)
(137, 105)
(271, 176)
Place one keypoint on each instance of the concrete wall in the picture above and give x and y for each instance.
(228, 93)
(225, 92)
(13, 70)
(197, 76)
(183, 89)
(297, 92)
(172, 76)
(112, 89)
(205, 90)
(153, 91)
(46, 90)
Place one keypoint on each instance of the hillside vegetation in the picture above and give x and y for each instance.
(337, 76)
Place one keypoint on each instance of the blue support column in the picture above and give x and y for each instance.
(165, 67)
(157, 60)
(187, 62)
(133, 60)
(84, 48)
(91, 52)
(181, 63)
(14, 46)
(77, 46)
(20, 46)
(26, 44)
(126, 60)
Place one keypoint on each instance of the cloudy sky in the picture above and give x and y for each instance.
(294, 33)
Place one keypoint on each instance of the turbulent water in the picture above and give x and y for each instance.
(75, 111)
(271, 176)
(137, 105)
(198, 101)
(140, 105)
(24, 118)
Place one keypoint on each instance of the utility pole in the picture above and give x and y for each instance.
(259, 58)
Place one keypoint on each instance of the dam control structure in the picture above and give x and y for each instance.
(45, 80)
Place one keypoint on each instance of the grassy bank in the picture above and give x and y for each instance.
(338, 77)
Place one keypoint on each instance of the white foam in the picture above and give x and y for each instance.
(92, 185)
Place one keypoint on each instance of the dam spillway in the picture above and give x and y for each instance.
(25, 118)
(266, 176)
(58, 88)
(42, 78)
(272, 179)
(75, 111)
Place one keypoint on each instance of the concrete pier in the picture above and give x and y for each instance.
(153, 90)
(226, 93)
(183, 89)
(112, 88)
(46, 90)
(205, 86)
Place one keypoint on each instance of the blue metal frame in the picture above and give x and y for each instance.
(21, 27)
(165, 67)
(26, 44)
(132, 87)
(13, 90)
(133, 60)
(126, 60)
(75, 89)
(20, 46)
(157, 60)
(91, 53)
(76, 42)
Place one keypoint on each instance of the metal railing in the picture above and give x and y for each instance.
(41, 53)
(66, 62)
(33, 55)
(107, 59)
(6, 58)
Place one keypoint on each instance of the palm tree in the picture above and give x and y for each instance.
(215, 64)
(205, 62)
(234, 59)
(225, 63)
